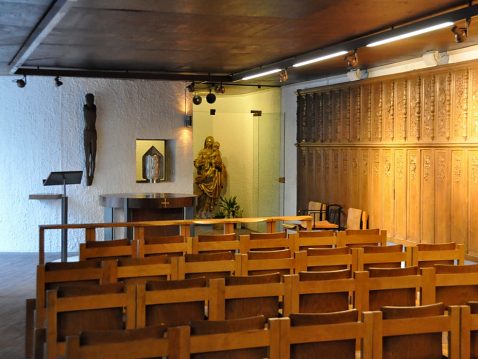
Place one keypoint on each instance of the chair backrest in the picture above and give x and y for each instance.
(268, 261)
(141, 270)
(362, 231)
(427, 255)
(415, 332)
(246, 296)
(237, 338)
(324, 335)
(174, 302)
(469, 330)
(325, 259)
(354, 219)
(170, 245)
(71, 310)
(118, 248)
(264, 241)
(360, 240)
(122, 344)
(381, 257)
(215, 243)
(313, 239)
(209, 265)
(320, 292)
(380, 287)
(317, 210)
(449, 284)
(334, 214)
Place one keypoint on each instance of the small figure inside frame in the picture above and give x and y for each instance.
(89, 137)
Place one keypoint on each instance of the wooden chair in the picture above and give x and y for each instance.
(71, 310)
(449, 284)
(209, 265)
(362, 231)
(215, 243)
(333, 335)
(234, 339)
(140, 270)
(308, 239)
(269, 261)
(380, 287)
(356, 219)
(415, 332)
(358, 240)
(264, 241)
(120, 344)
(169, 245)
(320, 292)
(247, 296)
(108, 249)
(381, 257)
(469, 330)
(325, 259)
(51, 276)
(174, 302)
(324, 216)
(427, 255)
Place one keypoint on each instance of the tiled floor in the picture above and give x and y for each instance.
(17, 283)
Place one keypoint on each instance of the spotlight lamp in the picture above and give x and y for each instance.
(197, 99)
(283, 76)
(190, 87)
(210, 98)
(219, 89)
(461, 33)
(352, 60)
(21, 82)
(58, 82)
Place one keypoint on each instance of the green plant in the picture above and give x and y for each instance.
(228, 208)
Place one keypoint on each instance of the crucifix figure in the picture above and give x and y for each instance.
(89, 137)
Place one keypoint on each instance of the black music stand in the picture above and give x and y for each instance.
(57, 179)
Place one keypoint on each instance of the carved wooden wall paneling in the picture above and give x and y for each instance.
(443, 83)
(414, 109)
(400, 190)
(375, 204)
(442, 196)
(428, 197)
(472, 202)
(473, 104)
(413, 195)
(460, 105)
(400, 112)
(387, 176)
(376, 111)
(459, 197)
(404, 148)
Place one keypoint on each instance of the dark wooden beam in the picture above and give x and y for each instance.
(50, 19)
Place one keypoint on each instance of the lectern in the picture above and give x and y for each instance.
(58, 179)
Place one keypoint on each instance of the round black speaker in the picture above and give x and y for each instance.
(210, 98)
(197, 99)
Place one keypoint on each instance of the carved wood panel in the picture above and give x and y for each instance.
(473, 106)
(345, 104)
(460, 104)
(443, 106)
(400, 189)
(355, 113)
(388, 191)
(428, 197)
(414, 109)
(428, 96)
(375, 204)
(364, 179)
(413, 195)
(388, 113)
(442, 196)
(459, 197)
(400, 118)
(320, 178)
(354, 181)
(344, 178)
(472, 244)
(335, 116)
(328, 193)
(377, 105)
(366, 114)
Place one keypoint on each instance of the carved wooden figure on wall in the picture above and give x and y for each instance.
(89, 137)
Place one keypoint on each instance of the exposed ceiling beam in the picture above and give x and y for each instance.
(50, 19)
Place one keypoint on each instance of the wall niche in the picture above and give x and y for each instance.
(151, 159)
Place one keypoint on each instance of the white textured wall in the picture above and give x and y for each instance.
(41, 130)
